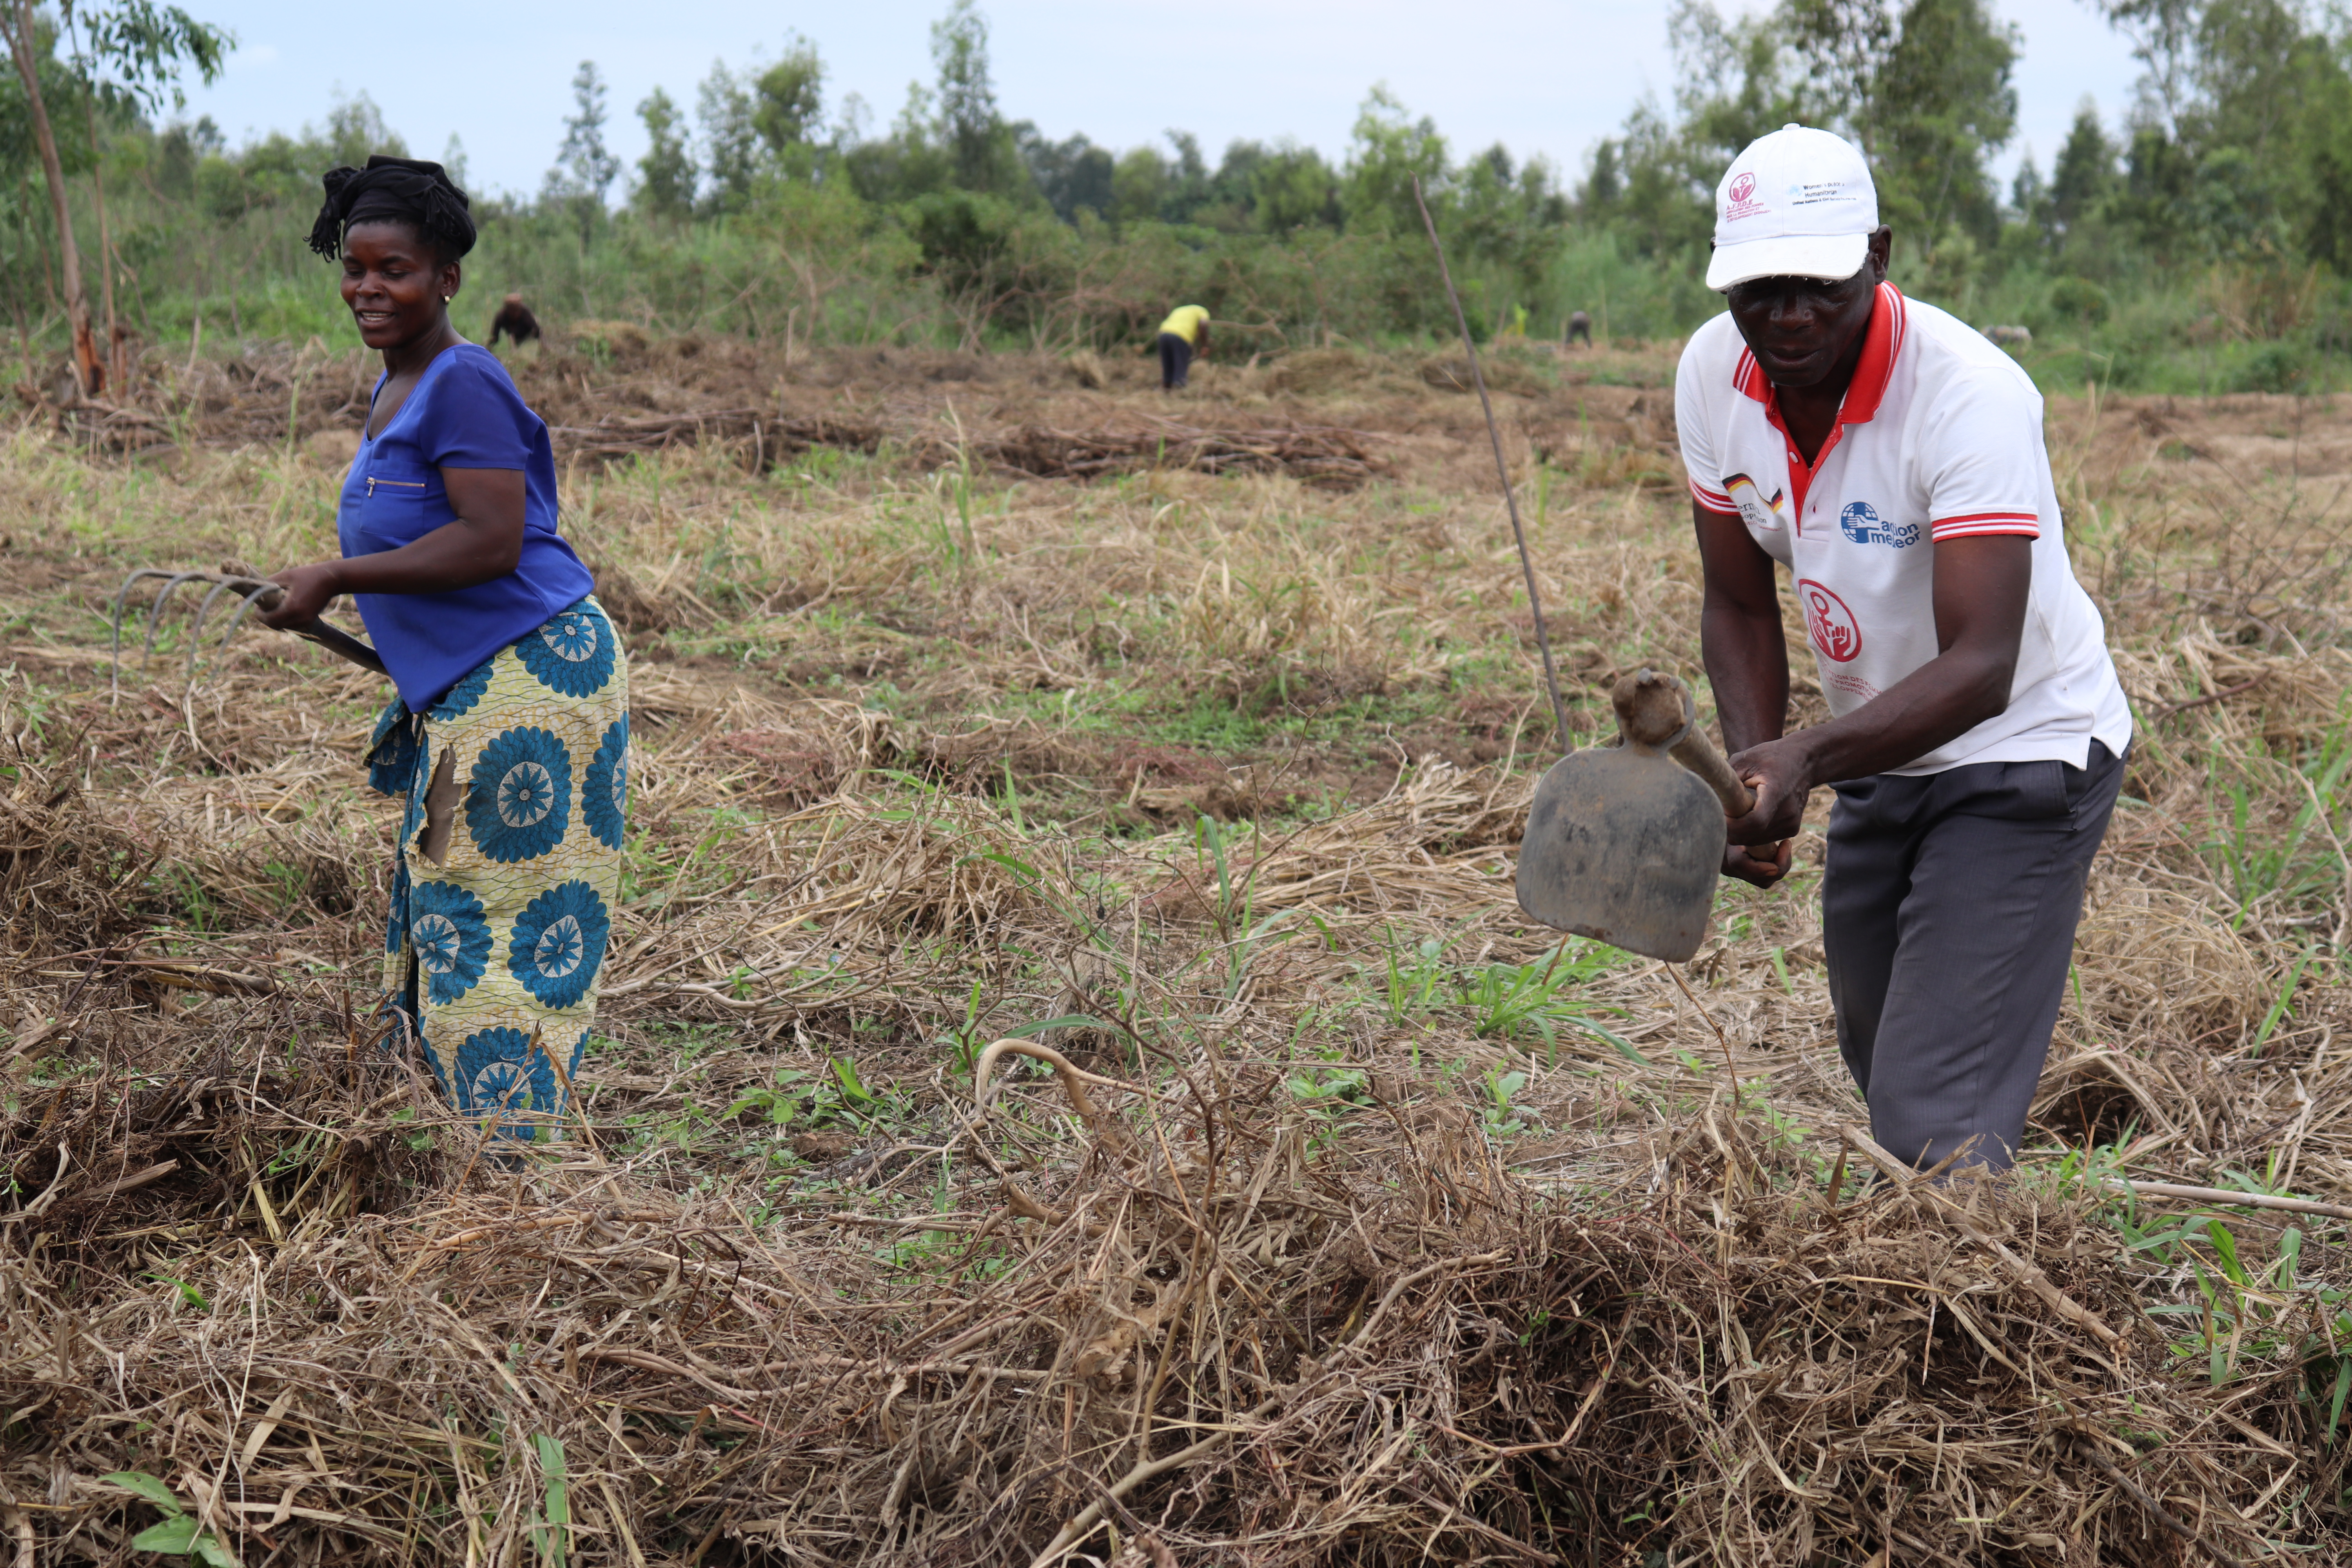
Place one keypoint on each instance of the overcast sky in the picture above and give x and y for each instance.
(1545, 76)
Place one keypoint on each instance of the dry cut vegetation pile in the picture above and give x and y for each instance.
(609, 394)
(1321, 1211)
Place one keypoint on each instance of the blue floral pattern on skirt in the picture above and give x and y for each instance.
(452, 939)
(558, 945)
(391, 751)
(604, 792)
(518, 801)
(459, 699)
(493, 954)
(574, 653)
(504, 1072)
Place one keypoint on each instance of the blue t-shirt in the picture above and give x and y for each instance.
(464, 413)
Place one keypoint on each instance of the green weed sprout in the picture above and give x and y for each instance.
(179, 1534)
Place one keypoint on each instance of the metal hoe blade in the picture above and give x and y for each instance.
(1624, 842)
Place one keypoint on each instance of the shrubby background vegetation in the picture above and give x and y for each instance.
(2199, 240)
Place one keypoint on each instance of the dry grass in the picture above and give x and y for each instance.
(1392, 1241)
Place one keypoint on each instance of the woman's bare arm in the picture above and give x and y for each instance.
(483, 542)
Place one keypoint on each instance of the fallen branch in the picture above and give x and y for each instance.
(2170, 708)
(2149, 1500)
(2222, 1195)
(130, 1183)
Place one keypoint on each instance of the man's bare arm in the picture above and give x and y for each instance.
(1982, 586)
(1739, 632)
(1747, 661)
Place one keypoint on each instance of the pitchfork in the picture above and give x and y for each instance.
(253, 592)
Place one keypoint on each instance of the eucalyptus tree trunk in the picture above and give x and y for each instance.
(90, 374)
(115, 332)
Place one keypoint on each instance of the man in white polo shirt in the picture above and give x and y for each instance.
(1893, 460)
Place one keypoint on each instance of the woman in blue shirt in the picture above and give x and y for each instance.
(510, 736)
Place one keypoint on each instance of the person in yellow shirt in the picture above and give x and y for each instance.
(1184, 333)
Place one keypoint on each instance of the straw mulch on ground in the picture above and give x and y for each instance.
(1366, 1226)
(1202, 1321)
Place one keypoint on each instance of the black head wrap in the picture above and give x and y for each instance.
(409, 190)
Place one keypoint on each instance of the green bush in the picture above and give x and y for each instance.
(2080, 300)
(2284, 366)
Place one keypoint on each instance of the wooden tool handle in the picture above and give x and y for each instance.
(339, 643)
(1656, 711)
(1697, 753)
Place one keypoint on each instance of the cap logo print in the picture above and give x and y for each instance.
(1836, 635)
(1739, 201)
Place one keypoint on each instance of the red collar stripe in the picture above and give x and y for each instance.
(1880, 344)
(1749, 376)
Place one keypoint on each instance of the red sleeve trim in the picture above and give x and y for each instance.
(1714, 500)
(1970, 524)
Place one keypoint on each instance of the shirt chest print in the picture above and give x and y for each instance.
(1836, 634)
(1860, 522)
(1757, 509)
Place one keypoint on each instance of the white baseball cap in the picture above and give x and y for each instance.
(1799, 203)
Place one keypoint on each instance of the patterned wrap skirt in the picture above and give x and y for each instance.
(492, 955)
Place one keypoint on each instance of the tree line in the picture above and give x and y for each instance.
(2205, 221)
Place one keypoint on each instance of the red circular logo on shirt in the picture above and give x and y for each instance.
(1835, 632)
(1742, 188)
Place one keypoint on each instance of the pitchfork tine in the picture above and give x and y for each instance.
(196, 632)
(254, 592)
(155, 610)
(114, 680)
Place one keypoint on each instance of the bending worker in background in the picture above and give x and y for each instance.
(1893, 460)
(1184, 333)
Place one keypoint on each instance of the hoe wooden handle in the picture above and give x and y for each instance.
(1651, 709)
(343, 645)
(1697, 753)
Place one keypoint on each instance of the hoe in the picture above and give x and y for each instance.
(1622, 846)
(252, 593)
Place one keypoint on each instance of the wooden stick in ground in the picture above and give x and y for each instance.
(2223, 1196)
(1723, 1040)
(2027, 1274)
(1502, 470)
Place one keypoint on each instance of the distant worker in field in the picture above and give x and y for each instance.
(1893, 460)
(515, 320)
(1183, 334)
(1580, 328)
(508, 737)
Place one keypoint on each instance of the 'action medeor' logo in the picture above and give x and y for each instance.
(1860, 522)
(1836, 634)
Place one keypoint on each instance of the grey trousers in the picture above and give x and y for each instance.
(1948, 908)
